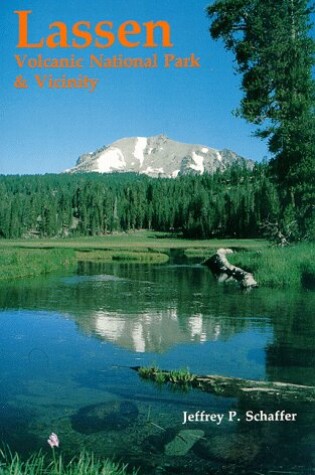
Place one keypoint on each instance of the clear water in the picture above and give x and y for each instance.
(67, 345)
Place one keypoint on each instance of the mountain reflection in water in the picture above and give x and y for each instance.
(146, 308)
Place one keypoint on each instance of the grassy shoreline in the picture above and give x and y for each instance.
(38, 464)
(17, 263)
(272, 266)
(291, 266)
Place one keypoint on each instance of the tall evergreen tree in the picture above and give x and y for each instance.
(275, 54)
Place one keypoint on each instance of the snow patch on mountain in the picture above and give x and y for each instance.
(198, 165)
(140, 147)
(219, 157)
(111, 159)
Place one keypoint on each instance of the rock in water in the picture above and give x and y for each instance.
(183, 442)
(233, 448)
(113, 415)
(224, 271)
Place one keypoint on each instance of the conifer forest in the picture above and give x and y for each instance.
(237, 203)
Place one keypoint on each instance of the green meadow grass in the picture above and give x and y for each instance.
(290, 266)
(18, 262)
(148, 240)
(38, 464)
(125, 255)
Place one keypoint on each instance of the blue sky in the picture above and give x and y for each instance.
(45, 130)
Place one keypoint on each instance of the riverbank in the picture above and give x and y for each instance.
(17, 263)
(291, 266)
(272, 266)
(31, 257)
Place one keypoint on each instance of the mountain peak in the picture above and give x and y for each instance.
(156, 156)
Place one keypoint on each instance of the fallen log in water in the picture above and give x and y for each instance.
(231, 387)
(236, 387)
(224, 271)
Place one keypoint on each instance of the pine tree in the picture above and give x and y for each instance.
(275, 55)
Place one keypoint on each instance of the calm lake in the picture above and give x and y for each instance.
(67, 343)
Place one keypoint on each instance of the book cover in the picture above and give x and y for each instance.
(157, 237)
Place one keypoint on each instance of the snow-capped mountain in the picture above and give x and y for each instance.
(156, 156)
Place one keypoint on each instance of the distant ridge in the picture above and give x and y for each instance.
(157, 156)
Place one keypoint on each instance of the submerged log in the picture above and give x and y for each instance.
(234, 387)
(225, 271)
(237, 387)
